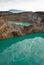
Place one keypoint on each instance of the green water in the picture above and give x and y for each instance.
(25, 50)
(19, 23)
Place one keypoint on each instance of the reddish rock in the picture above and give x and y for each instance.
(36, 18)
(5, 31)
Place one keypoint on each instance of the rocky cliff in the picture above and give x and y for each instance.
(36, 18)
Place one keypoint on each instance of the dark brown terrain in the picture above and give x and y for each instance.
(6, 30)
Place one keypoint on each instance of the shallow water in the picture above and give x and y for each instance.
(23, 51)
(19, 23)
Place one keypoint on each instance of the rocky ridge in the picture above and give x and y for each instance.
(36, 18)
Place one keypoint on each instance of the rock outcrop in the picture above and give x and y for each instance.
(5, 31)
(36, 18)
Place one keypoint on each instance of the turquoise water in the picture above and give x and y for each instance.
(19, 23)
(25, 50)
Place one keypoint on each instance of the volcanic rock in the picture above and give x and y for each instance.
(6, 30)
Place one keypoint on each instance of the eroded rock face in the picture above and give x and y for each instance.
(36, 18)
(5, 31)
(39, 22)
(19, 30)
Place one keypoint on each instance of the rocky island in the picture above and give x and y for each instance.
(10, 26)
